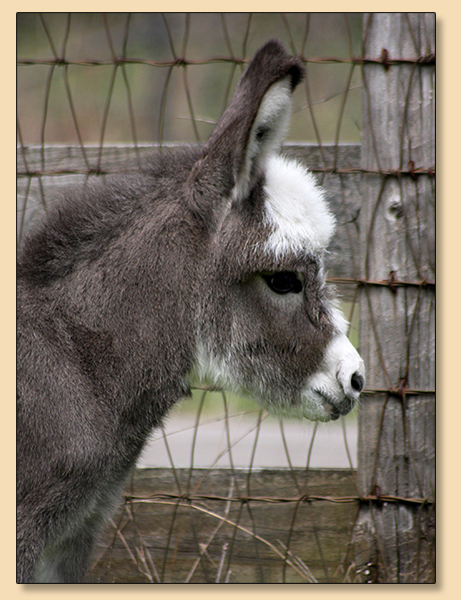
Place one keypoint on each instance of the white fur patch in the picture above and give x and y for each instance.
(333, 381)
(273, 116)
(296, 210)
(274, 113)
(211, 369)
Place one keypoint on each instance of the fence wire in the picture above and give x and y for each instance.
(95, 92)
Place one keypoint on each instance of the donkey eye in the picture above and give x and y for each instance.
(284, 282)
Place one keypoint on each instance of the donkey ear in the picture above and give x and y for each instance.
(255, 123)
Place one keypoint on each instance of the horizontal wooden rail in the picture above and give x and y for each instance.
(157, 536)
(45, 171)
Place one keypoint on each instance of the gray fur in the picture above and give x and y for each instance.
(122, 290)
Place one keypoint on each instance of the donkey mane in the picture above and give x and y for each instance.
(79, 225)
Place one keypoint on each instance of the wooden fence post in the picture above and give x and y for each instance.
(394, 534)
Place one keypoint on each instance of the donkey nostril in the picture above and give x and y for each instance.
(357, 382)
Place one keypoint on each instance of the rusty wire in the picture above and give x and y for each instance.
(153, 564)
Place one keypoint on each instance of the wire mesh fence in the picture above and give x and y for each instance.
(228, 493)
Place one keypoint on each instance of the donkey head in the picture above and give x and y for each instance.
(266, 324)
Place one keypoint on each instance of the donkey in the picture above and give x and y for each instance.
(207, 263)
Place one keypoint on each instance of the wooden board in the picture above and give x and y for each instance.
(181, 527)
(397, 342)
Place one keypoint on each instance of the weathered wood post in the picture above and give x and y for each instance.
(394, 534)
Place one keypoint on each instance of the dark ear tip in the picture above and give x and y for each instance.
(292, 64)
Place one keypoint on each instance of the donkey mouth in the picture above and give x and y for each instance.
(335, 410)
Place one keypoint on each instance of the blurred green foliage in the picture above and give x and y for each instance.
(57, 103)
